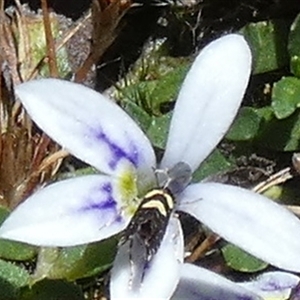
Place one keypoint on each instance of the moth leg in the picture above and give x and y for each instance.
(111, 221)
(162, 177)
(131, 262)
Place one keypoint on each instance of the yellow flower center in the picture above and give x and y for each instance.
(127, 188)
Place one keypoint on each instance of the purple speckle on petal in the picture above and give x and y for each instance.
(118, 153)
(244, 297)
(107, 187)
(208, 291)
(102, 199)
(273, 285)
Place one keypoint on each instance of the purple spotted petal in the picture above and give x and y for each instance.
(249, 220)
(198, 283)
(161, 276)
(273, 285)
(67, 213)
(91, 127)
(208, 100)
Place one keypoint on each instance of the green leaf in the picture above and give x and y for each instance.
(12, 278)
(245, 126)
(52, 290)
(12, 250)
(76, 173)
(294, 47)
(159, 87)
(266, 113)
(286, 97)
(158, 130)
(279, 135)
(215, 163)
(138, 93)
(276, 192)
(241, 261)
(268, 41)
(8, 291)
(137, 114)
(4, 212)
(295, 65)
(34, 39)
(167, 88)
(83, 261)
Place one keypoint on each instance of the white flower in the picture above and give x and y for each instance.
(95, 207)
(269, 286)
(274, 285)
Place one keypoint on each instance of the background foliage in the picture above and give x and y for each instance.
(150, 46)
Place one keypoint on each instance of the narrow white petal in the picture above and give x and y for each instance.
(160, 277)
(70, 212)
(249, 220)
(208, 101)
(198, 283)
(87, 124)
(273, 285)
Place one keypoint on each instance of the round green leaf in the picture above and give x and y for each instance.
(11, 250)
(280, 135)
(241, 261)
(295, 65)
(294, 47)
(215, 163)
(52, 290)
(12, 278)
(268, 41)
(245, 126)
(8, 291)
(78, 262)
(286, 97)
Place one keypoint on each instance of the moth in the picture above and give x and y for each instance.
(148, 224)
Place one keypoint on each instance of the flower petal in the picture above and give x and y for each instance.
(199, 283)
(69, 212)
(87, 124)
(160, 276)
(273, 285)
(249, 220)
(208, 101)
